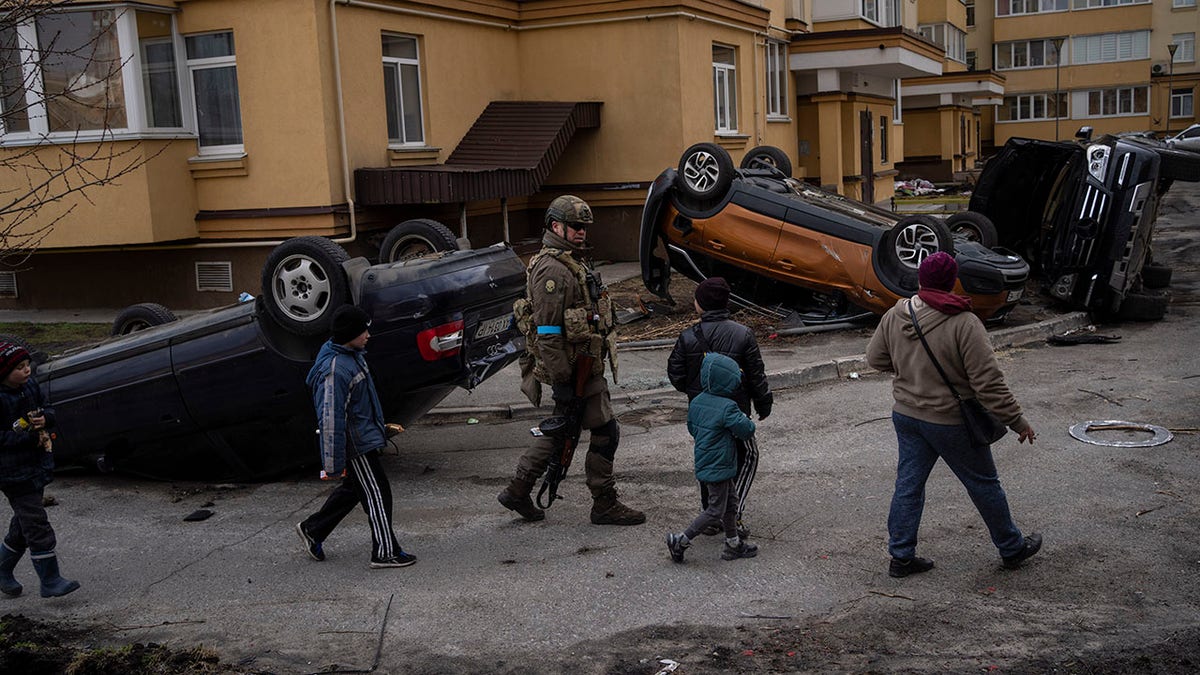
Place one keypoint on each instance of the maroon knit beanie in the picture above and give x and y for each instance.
(938, 272)
(713, 293)
(11, 356)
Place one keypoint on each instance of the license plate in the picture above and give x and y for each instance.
(491, 327)
(1014, 296)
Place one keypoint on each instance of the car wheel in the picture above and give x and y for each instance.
(1156, 276)
(303, 282)
(915, 238)
(416, 238)
(768, 157)
(1179, 165)
(973, 226)
(140, 317)
(704, 177)
(1150, 306)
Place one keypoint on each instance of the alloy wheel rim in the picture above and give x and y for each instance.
(701, 171)
(301, 288)
(915, 243)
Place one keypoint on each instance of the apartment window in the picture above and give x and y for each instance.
(8, 284)
(725, 88)
(1109, 47)
(212, 64)
(1090, 4)
(69, 75)
(777, 73)
(1025, 107)
(970, 13)
(1117, 101)
(1186, 52)
(886, 13)
(1013, 7)
(884, 123)
(1184, 3)
(972, 60)
(1181, 103)
(953, 40)
(402, 89)
(1025, 54)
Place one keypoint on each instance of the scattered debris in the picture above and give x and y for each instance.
(762, 616)
(1082, 430)
(916, 187)
(1082, 338)
(1096, 393)
(198, 514)
(669, 666)
(472, 420)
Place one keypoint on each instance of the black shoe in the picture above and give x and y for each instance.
(743, 550)
(522, 504)
(1033, 544)
(901, 568)
(401, 559)
(312, 546)
(676, 546)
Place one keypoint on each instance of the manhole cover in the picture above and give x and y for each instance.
(1084, 431)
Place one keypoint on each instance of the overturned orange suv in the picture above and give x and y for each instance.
(781, 242)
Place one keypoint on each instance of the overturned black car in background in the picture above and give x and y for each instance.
(1082, 213)
(221, 395)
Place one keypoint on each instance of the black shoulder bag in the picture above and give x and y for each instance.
(982, 427)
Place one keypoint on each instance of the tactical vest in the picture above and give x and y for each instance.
(588, 326)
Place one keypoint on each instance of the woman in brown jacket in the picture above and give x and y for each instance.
(926, 414)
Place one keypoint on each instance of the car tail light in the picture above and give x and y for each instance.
(441, 342)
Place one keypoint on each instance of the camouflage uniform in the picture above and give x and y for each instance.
(567, 322)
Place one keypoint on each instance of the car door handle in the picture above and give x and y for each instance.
(785, 264)
(716, 244)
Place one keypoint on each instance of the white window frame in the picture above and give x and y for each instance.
(777, 80)
(1031, 103)
(970, 5)
(1125, 98)
(129, 47)
(212, 63)
(1184, 3)
(184, 102)
(949, 37)
(1186, 103)
(397, 62)
(884, 13)
(1021, 7)
(1025, 48)
(725, 92)
(1101, 4)
(1110, 47)
(1186, 51)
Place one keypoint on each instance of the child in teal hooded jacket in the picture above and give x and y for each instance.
(714, 421)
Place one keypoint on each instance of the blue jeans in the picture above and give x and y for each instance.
(921, 443)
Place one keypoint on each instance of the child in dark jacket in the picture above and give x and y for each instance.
(715, 421)
(26, 467)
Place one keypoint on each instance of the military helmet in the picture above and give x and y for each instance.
(568, 209)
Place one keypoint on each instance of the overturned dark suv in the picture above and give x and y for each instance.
(1083, 214)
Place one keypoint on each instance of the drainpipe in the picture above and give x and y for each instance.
(341, 121)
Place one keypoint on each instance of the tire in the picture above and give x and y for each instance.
(1143, 306)
(1156, 276)
(1181, 165)
(913, 239)
(140, 317)
(704, 178)
(973, 226)
(303, 282)
(768, 157)
(416, 238)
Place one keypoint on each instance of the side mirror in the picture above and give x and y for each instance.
(1084, 133)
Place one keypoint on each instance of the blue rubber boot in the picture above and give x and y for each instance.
(53, 585)
(8, 560)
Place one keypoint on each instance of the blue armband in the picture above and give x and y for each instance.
(549, 330)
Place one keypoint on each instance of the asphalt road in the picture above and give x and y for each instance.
(1119, 576)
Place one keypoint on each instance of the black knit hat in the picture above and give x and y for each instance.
(11, 356)
(348, 323)
(713, 293)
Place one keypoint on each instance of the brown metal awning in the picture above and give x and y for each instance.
(507, 152)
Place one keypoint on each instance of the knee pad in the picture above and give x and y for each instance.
(604, 439)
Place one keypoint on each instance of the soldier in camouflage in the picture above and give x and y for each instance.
(562, 321)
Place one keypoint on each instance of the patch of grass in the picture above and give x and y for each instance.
(55, 338)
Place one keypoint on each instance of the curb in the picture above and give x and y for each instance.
(841, 368)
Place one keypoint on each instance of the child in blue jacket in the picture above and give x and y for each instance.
(715, 420)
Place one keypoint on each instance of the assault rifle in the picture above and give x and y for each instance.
(564, 430)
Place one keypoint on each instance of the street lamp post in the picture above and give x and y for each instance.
(1170, 82)
(1058, 43)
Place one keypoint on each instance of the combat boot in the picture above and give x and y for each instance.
(608, 510)
(515, 497)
